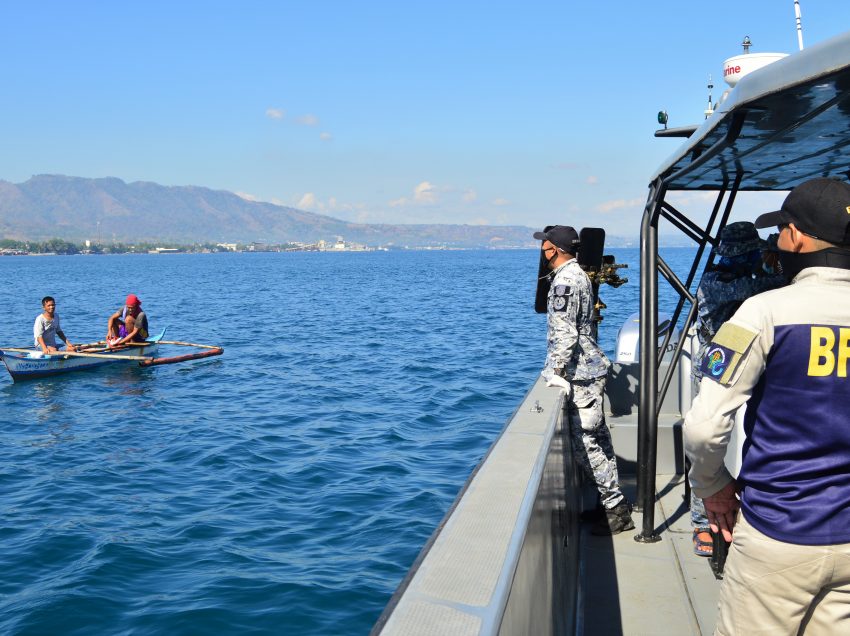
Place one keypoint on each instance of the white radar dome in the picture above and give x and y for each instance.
(736, 67)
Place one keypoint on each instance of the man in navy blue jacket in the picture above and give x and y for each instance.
(785, 353)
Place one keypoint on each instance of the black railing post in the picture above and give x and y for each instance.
(647, 418)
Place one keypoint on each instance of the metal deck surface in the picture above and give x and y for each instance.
(637, 588)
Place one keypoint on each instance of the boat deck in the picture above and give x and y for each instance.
(638, 588)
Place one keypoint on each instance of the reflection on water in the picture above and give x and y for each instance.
(57, 433)
(39, 408)
(49, 394)
(130, 379)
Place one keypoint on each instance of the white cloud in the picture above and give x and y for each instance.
(425, 193)
(592, 179)
(618, 204)
(307, 202)
(325, 136)
(246, 196)
(275, 113)
(308, 120)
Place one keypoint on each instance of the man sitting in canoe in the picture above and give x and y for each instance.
(128, 324)
(47, 327)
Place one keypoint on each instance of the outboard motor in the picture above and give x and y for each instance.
(628, 338)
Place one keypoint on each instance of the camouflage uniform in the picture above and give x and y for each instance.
(574, 355)
(738, 276)
(721, 291)
(718, 297)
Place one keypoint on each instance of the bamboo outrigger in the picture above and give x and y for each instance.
(24, 363)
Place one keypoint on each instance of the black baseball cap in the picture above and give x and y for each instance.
(561, 236)
(820, 208)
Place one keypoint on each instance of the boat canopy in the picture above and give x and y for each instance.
(781, 125)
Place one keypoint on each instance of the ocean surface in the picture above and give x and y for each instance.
(284, 487)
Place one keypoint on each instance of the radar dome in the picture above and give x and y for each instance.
(736, 67)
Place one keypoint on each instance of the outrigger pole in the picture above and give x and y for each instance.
(144, 361)
(212, 350)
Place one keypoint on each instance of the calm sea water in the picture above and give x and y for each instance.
(284, 487)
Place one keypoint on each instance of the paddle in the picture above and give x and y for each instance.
(105, 356)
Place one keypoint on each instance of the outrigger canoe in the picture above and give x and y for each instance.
(29, 363)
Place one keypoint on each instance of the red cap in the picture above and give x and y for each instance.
(132, 300)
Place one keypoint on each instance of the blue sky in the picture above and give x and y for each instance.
(404, 112)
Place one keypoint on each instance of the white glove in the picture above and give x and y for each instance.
(553, 379)
(557, 380)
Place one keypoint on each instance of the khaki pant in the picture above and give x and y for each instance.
(773, 587)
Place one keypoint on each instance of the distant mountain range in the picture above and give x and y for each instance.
(110, 210)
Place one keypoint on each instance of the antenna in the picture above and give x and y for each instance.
(799, 24)
(747, 43)
(709, 111)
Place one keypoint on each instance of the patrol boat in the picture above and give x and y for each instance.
(512, 556)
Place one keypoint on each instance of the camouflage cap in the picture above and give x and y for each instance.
(738, 238)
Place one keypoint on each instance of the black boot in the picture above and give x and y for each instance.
(616, 520)
(596, 513)
(593, 514)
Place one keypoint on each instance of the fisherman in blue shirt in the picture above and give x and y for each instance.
(785, 354)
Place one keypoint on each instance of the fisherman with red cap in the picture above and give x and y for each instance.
(128, 324)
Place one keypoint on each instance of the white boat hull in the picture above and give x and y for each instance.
(26, 366)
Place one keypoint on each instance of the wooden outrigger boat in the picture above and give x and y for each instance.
(25, 363)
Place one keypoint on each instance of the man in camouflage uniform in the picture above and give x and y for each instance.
(576, 363)
(737, 275)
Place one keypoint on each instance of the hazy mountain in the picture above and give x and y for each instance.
(109, 209)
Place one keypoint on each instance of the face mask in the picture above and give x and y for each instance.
(550, 262)
(792, 263)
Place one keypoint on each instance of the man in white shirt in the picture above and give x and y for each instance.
(47, 327)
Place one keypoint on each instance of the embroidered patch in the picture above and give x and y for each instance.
(725, 353)
(716, 361)
(559, 297)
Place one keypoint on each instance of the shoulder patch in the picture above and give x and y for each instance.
(725, 352)
(559, 296)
